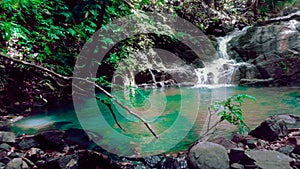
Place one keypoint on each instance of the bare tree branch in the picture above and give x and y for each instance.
(149, 127)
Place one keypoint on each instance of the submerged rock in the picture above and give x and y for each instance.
(207, 155)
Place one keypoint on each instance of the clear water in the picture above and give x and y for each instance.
(177, 114)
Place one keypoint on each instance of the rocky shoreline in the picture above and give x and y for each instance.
(275, 143)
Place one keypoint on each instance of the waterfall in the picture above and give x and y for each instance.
(219, 72)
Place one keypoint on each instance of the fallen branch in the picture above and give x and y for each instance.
(149, 127)
(295, 15)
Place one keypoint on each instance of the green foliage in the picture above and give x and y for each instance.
(231, 111)
(267, 6)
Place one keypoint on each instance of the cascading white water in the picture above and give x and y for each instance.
(219, 72)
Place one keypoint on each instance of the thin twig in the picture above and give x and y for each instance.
(85, 80)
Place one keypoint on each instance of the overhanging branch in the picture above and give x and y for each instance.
(149, 127)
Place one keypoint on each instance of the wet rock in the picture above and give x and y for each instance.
(27, 143)
(15, 163)
(51, 140)
(271, 129)
(7, 137)
(205, 154)
(269, 159)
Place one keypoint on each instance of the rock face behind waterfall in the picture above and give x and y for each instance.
(271, 51)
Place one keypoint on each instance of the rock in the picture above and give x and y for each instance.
(153, 160)
(251, 143)
(27, 143)
(2, 165)
(51, 140)
(68, 161)
(4, 125)
(5, 146)
(15, 163)
(255, 82)
(291, 121)
(207, 155)
(236, 166)
(287, 149)
(269, 159)
(236, 155)
(140, 167)
(7, 137)
(243, 140)
(295, 140)
(271, 129)
(296, 150)
(272, 50)
(169, 163)
(89, 159)
(40, 163)
(14, 154)
(24, 165)
(77, 136)
(228, 144)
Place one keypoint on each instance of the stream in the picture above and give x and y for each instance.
(177, 114)
(163, 109)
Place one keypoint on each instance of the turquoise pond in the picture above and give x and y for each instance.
(177, 114)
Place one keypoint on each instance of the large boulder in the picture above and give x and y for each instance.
(272, 54)
(269, 159)
(207, 155)
(271, 129)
